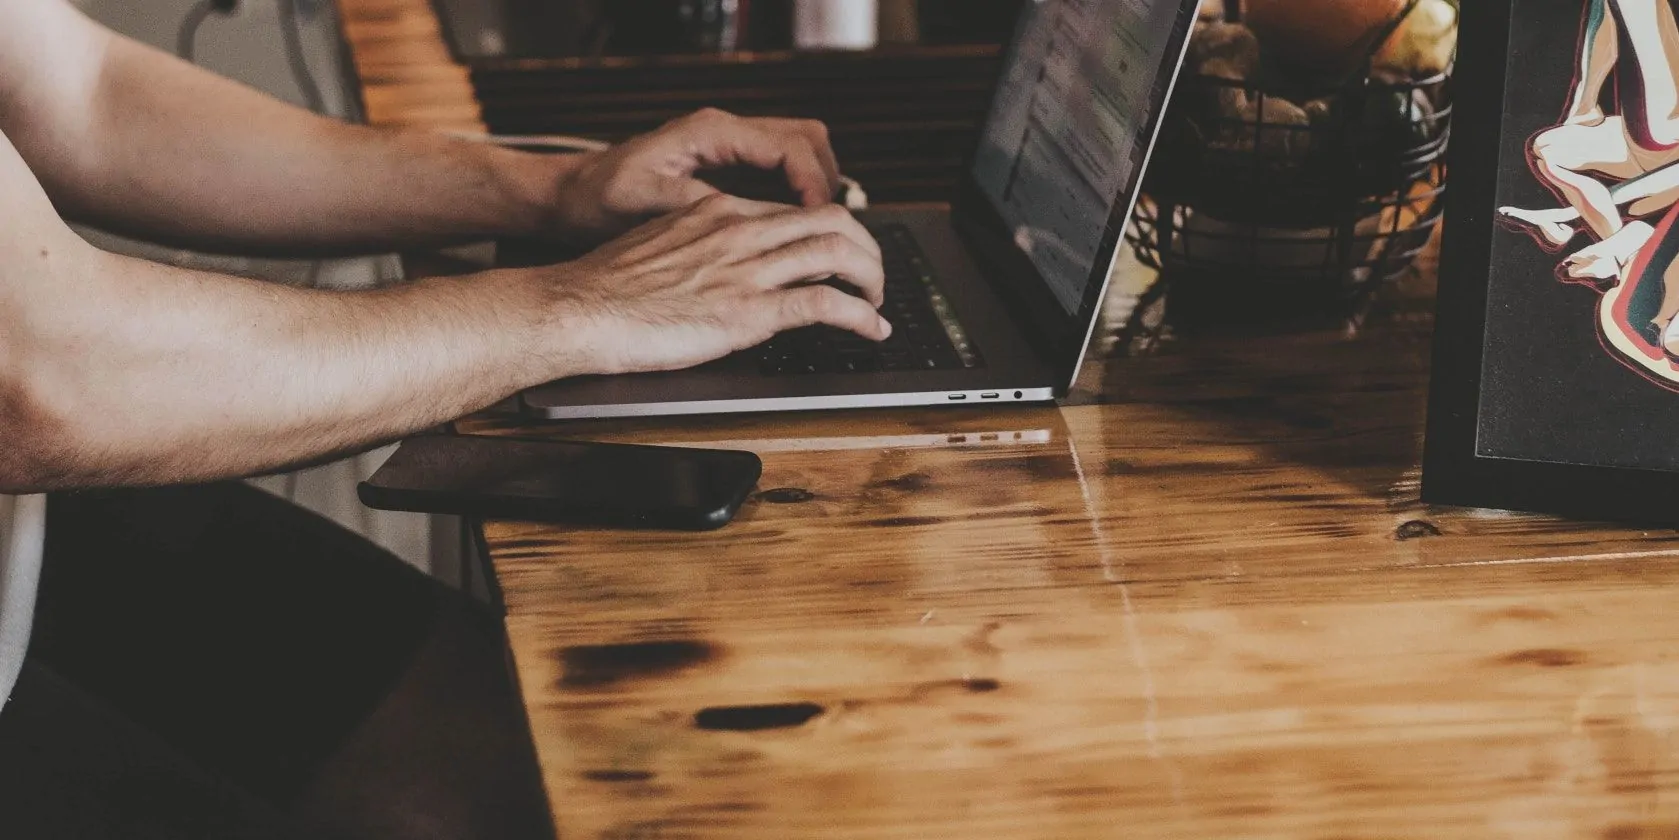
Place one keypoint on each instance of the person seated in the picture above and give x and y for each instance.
(208, 661)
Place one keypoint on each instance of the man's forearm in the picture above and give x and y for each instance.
(153, 147)
(177, 376)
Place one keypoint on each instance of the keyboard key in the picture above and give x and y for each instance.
(925, 335)
(859, 364)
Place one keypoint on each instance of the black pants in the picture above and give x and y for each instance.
(214, 662)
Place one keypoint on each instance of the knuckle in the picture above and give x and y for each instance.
(835, 214)
(796, 308)
(839, 244)
(718, 203)
(815, 128)
(829, 249)
(803, 306)
(711, 114)
(825, 302)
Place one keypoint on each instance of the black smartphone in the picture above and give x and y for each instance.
(614, 485)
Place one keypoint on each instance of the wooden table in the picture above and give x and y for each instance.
(1200, 600)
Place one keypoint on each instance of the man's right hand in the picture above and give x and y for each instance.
(721, 276)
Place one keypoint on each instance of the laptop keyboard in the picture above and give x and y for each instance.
(925, 332)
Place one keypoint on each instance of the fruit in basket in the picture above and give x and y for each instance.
(1309, 185)
(1230, 115)
(1320, 111)
(1262, 251)
(1228, 51)
(1329, 36)
(1424, 44)
(1404, 116)
(1386, 122)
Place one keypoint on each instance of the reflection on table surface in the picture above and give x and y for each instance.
(1221, 615)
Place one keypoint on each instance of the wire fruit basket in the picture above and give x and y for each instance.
(1256, 207)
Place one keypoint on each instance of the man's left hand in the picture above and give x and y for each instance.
(609, 192)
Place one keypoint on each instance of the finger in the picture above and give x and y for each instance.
(818, 258)
(676, 193)
(805, 171)
(816, 133)
(809, 305)
(703, 218)
(720, 139)
(723, 205)
(777, 230)
(714, 215)
(719, 213)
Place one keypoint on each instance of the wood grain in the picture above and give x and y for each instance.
(1200, 600)
(1203, 603)
(408, 78)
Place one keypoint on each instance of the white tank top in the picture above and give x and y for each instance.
(22, 535)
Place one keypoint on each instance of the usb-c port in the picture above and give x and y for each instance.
(989, 396)
(958, 397)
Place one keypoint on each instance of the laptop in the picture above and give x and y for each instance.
(995, 299)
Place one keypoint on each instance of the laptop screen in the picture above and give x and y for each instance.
(1070, 127)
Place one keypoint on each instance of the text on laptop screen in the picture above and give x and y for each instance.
(1069, 127)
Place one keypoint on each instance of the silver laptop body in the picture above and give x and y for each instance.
(1018, 265)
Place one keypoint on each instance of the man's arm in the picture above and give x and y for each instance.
(136, 141)
(118, 371)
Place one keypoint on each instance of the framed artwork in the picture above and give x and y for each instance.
(1556, 360)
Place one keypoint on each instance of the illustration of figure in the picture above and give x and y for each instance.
(1614, 161)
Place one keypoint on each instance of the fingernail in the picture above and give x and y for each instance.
(885, 328)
